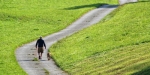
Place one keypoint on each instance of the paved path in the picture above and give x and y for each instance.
(27, 52)
(121, 2)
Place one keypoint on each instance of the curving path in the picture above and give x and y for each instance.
(27, 52)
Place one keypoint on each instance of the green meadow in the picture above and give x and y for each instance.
(117, 45)
(22, 21)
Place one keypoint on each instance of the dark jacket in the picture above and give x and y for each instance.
(40, 43)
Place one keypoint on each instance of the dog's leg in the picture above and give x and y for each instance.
(48, 56)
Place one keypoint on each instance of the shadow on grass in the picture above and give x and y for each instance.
(85, 6)
(145, 71)
(141, 1)
(144, 1)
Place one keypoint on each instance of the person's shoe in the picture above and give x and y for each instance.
(39, 57)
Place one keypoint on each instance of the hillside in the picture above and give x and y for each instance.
(22, 21)
(118, 45)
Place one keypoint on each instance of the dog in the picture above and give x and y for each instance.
(48, 56)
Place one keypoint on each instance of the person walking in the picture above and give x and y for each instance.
(39, 44)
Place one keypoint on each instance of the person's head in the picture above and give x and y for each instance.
(40, 37)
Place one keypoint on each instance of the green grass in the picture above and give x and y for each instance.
(118, 45)
(35, 59)
(22, 21)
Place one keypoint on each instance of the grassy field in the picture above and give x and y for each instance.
(22, 21)
(118, 45)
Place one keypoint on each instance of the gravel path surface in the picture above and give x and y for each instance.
(27, 52)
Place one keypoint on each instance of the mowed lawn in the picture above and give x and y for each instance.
(118, 45)
(22, 21)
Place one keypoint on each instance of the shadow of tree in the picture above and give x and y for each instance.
(144, 1)
(145, 71)
(85, 6)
